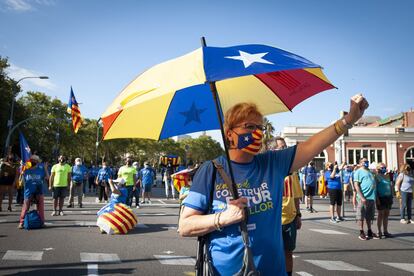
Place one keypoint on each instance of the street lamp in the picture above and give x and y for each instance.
(10, 121)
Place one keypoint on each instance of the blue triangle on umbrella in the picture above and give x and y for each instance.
(191, 110)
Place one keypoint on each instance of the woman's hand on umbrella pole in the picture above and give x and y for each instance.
(358, 106)
(234, 212)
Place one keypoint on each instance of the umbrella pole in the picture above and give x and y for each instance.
(248, 263)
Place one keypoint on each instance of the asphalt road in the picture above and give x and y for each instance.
(72, 245)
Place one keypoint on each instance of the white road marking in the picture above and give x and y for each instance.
(23, 255)
(303, 273)
(3, 220)
(141, 225)
(169, 252)
(92, 270)
(86, 212)
(99, 258)
(328, 232)
(162, 202)
(48, 223)
(85, 223)
(336, 265)
(175, 260)
(48, 249)
(295, 256)
(403, 266)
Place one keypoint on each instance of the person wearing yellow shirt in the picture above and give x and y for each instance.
(128, 173)
(291, 216)
(58, 183)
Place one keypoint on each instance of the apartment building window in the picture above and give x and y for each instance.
(373, 155)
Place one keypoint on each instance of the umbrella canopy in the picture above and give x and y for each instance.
(174, 97)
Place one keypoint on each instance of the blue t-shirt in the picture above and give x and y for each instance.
(310, 176)
(383, 186)
(333, 183)
(119, 198)
(261, 182)
(366, 180)
(104, 174)
(33, 181)
(346, 176)
(147, 176)
(79, 172)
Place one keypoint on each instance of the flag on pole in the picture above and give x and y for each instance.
(25, 152)
(73, 109)
(181, 178)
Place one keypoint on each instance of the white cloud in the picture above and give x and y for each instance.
(15, 72)
(25, 5)
(18, 5)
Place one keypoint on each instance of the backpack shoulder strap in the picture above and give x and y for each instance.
(224, 175)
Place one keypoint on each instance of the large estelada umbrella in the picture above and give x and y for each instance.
(192, 92)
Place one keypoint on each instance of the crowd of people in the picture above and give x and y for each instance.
(74, 180)
(271, 184)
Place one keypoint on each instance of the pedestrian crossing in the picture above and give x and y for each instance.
(93, 259)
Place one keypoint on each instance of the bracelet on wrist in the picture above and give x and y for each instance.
(217, 221)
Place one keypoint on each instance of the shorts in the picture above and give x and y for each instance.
(59, 192)
(289, 236)
(309, 190)
(365, 212)
(335, 196)
(147, 188)
(7, 180)
(385, 203)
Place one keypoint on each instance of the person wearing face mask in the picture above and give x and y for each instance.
(404, 186)
(333, 179)
(79, 174)
(146, 177)
(58, 183)
(209, 209)
(384, 199)
(365, 186)
(346, 173)
(32, 180)
(128, 172)
(102, 181)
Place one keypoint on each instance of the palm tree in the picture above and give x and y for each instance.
(269, 129)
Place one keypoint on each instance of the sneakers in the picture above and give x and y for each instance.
(61, 213)
(80, 205)
(20, 226)
(403, 221)
(372, 235)
(308, 209)
(54, 213)
(142, 202)
(387, 235)
(333, 220)
(362, 236)
(149, 202)
(339, 219)
(137, 207)
(9, 209)
(70, 205)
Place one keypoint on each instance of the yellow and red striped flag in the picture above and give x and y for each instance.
(73, 109)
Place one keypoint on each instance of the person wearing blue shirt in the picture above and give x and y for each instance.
(333, 178)
(309, 179)
(33, 179)
(79, 174)
(365, 186)
(102, 181)
(346, 173)
(259, 180)
(384, 199)
(146, 177)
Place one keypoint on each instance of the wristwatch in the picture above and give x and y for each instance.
(346, 124)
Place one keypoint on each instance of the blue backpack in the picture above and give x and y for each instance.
(32, 220)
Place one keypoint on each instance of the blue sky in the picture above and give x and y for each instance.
(98, 47)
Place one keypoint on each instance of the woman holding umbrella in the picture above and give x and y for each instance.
(259, 179)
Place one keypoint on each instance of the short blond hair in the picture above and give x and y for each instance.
(239, 113)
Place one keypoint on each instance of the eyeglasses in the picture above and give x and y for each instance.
(252, 127)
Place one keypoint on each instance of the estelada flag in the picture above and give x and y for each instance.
(73, 109)
(116, 218)
(180, 179)
(25, 152)
(174, 159)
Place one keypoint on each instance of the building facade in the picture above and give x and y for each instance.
(387, 141)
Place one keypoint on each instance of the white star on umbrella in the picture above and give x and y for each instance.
(248, 59)
(246, 139)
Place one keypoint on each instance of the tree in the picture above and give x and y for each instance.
(268, 133)
(201, 149)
